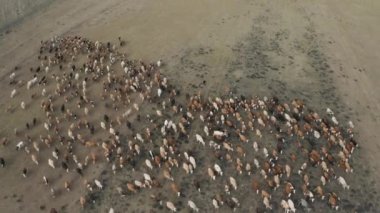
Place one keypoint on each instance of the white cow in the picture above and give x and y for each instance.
(218, 169)
(200, 139)
(218, 133)
(323, 180)
(343, 182)
(185, 166)
(288, 170)
(139, 138)
(255, 146)
(334, 120)
(285, 206)
(20, 145)
(103, 125)
(291, 206)
(256, 162)
(13, 93)
(36, 147)
(159, 63)
(34, 159)
(55, 154)
(159, 92)
(192, 161)
(205, 129)
(112, 131)
(98, 184)
(192, 205)
(233, 183)
(351, 124)
(51, 163)
(215, 203)
(265, 152)
(266, 203)
(148, 164)
(329, 111)
(317, 135)
(147, 177)
(12, 75)
(171, 206)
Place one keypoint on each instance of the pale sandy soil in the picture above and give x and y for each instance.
(326, 53)
(15, 11)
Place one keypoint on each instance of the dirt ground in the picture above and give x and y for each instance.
(325, 53)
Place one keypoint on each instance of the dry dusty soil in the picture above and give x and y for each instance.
(324, 52)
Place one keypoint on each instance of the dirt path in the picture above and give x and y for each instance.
(355, 39)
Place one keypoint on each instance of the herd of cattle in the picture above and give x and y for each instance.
(126, 114)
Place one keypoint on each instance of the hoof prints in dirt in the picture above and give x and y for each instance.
(270, 61)
(193, 67)
(174, 152)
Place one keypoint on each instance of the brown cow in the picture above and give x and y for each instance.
(265, 194)
(314, 157)
(289, 189)
(333, 201)
(319, 192)
(255, 186)
(131, 187)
